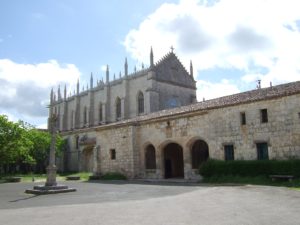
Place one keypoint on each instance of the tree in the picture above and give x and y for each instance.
(22, 145)
(14, 143)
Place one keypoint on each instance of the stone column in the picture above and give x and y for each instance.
(96, 151)
(51, 169)
(187, 163)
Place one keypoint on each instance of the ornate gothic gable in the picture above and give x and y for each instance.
(169, 69)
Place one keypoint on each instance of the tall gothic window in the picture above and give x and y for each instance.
(72, 119)
(85, 116)
(118, 108)
(100, 113)
(140, 102)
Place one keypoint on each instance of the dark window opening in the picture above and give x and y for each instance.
(118, 108)
(85, 116)
(100, 113)
(150, 158)
(229, 152)
(243, 118)
(264, 115)
(140, 103)
(262, 151)
(112, 154)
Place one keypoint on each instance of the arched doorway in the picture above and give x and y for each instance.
(173, 161)
(199, 153)
(87, 159)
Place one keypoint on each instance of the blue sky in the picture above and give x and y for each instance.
(232, 44)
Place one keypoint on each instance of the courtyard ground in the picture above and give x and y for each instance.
(138, 203)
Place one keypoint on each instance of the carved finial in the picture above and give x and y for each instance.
(151, 58)
(51, 96)
(191, 69)
(58, 93)
(126, 67)
(107, 74)
(77, 87)
(65, 92)
(91, 81)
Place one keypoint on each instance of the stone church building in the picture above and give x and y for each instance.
(148, 124)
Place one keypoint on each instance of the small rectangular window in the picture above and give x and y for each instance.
(262, 151)
(229, 152)
(243, 118)
(264, 115)
(112, 154)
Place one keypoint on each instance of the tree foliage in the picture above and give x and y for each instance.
(24, 146)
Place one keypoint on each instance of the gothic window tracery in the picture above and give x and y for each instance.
(100, 113)
(140, 102)
(118, 108)
(85, 116)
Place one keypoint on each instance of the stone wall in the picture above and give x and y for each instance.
(216, 127)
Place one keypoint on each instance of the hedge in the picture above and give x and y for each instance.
(250, 168)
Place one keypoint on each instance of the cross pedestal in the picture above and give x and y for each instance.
(51, 186)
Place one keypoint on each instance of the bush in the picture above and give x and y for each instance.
(250, 168)
(113, 176)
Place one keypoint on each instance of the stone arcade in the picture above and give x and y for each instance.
(148, 124)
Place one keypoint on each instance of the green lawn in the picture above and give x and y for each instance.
(84, 176)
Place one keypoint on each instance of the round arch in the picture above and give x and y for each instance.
(199, 153)
(150, 157)
(87, 159)
(173, 160)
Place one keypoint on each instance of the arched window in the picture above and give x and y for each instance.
(118, 108)
(199, 153)
(100, 113)
(85, 116)
(150, 159)
(72, 119)
(140, 102)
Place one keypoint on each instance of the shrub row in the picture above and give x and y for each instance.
(250, 168)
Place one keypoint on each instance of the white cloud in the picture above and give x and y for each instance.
(25, 88)
(227, 34)
(207, 90)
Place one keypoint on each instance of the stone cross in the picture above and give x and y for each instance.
(172, 48)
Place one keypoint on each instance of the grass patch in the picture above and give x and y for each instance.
(84, 176)
(113, 176)
(24, 177)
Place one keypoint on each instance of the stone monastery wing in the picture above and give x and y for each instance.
(169, 69)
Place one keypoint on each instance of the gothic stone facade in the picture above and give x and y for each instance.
(258, 124)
